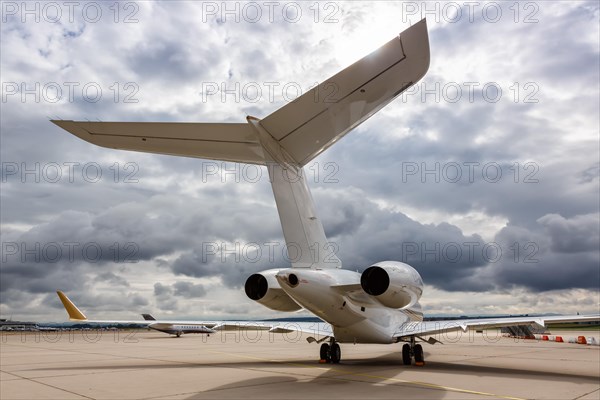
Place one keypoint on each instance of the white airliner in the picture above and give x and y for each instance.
(381, 305)
(176, 328)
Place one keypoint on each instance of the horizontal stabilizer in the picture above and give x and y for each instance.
(314, 121)
(219, 141)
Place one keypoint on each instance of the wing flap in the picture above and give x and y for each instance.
(312, 328)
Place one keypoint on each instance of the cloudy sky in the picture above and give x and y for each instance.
(484, 176)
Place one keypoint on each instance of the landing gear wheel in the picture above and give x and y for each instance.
(419, 358)
(336, 353)
(324, 353)
(178, 334)
(406, 359)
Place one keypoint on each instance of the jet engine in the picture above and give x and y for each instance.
(393, 284)
(263, 288)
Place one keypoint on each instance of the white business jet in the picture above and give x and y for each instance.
(381, 305)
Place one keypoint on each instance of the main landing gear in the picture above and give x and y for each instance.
(412, 350)
(330, 352)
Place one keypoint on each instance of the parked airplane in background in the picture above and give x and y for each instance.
(176, 328)
(381, 305)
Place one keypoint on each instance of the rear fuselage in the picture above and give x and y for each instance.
(354, 316)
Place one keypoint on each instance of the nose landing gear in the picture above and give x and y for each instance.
(330, 352)
(413, 350)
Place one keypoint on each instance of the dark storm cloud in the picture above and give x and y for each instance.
(183, 289)
(164, 297)
(373, 235)
(232, 263)
(81, 237)
(419, 172)
(560, 252)
(556, 252)
(578, 234)
(441, 253)
(40, 278)
(117, 301)
(160, 289)
(43, 258)
(138, 301)
(547, 271)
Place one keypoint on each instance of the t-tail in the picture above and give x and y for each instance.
(286, 140)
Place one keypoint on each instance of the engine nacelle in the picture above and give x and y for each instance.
(393, 284)
(263, 288)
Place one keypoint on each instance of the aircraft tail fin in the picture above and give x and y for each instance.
(303, 128)
(287, 139)
(74, 313)
(148, 317)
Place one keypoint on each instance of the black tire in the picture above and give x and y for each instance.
(336, 353)
(406, 354)
(419, 358)
(324, 352)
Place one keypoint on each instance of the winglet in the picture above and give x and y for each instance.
(74, 313)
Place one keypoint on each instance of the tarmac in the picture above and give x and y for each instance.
(259, 365)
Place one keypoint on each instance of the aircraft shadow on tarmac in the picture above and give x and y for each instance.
(327, 385)
(373, 378)
(371, 368)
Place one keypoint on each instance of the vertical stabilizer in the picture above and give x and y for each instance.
(303, 231)
(74, 313)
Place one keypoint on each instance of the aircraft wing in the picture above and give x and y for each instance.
(303, 128)
(445, 326)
